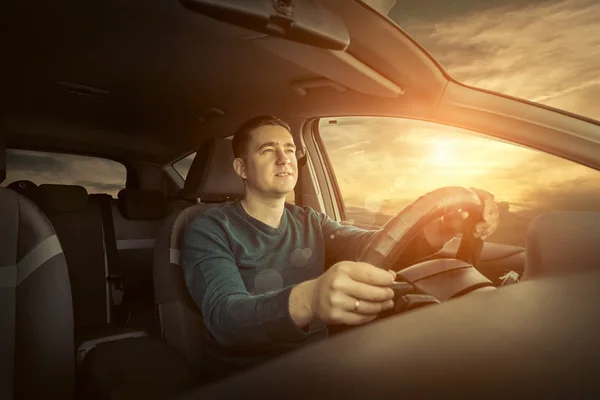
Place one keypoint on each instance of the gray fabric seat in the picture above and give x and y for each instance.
(138, 215)
(163, 366)
(211, 179)
(77, 218)
(78, 223)
(37, 358)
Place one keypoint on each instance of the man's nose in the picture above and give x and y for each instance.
(282, 157)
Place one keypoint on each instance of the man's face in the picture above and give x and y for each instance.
(270, 166)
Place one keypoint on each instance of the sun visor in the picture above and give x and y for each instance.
(337, 66)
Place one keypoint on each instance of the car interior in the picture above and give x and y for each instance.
(93, 303)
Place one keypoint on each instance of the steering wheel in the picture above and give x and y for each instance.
(384, 248)
(433, 280)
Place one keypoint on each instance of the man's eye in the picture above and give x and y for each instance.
(290, 151)
(267, 150)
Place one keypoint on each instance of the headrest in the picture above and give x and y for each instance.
(211, 175)
(142, 204)
(62, 198)
(22, 185)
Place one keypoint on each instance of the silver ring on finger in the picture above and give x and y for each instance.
(356, 305)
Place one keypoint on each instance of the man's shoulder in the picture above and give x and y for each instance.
(300, 211)
(214, 216)
(219, 209)
(303, 213)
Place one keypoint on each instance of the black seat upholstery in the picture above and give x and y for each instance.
(37, 358)
(135, 368)
(78, 223)
(78, 220)
(211, 178)
(149, 367)
(138, 215)
(24, 187)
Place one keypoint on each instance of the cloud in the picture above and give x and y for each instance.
(442, 9)
(97, 175)
(543, 51)
(573, 195)
(99, 187)
(400, 161)
(34, 162)
(405, 159)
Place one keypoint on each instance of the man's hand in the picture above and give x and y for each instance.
(440, 231)
(334, 296)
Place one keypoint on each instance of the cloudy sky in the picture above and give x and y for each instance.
(95, 174)
(545, 51)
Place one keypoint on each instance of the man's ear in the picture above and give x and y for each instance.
(240, 168)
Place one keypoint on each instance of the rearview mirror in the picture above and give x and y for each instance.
(304, 21)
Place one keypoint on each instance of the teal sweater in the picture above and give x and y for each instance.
(240, 273)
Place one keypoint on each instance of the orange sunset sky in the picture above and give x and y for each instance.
(545, 51)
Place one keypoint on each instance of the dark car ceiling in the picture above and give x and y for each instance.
(154, 59)
(157, 67)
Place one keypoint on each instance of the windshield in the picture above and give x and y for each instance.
(543, 51)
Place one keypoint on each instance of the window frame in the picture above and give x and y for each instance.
(317, 178)
(332, 189)
(131, 175)
(332, 183)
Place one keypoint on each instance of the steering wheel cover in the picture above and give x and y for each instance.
(386, 246)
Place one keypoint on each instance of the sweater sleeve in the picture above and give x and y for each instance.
(233, 316)
(346, 242)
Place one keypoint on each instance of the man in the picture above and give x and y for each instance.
(256, 268)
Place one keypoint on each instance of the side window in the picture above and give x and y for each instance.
(183, 165)
(97, 175)
(384, 164)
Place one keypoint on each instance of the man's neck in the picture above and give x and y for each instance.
(268, 211)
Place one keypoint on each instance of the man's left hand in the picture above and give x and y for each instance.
(443, 230)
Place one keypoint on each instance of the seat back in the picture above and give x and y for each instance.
(181, 323)
(138, 215)
(78, 223)
(211, 176)
(37, 358)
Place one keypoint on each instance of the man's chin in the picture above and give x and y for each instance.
(280, 192)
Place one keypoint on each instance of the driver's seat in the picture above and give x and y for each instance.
(211, 180)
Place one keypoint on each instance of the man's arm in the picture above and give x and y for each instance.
(231, 314)
(350, 293)
(343, 242)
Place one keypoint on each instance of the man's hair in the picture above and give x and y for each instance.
(241, 137)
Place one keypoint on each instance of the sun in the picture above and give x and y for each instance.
(442, 152)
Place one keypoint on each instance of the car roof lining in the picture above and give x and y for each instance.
(157, 66)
